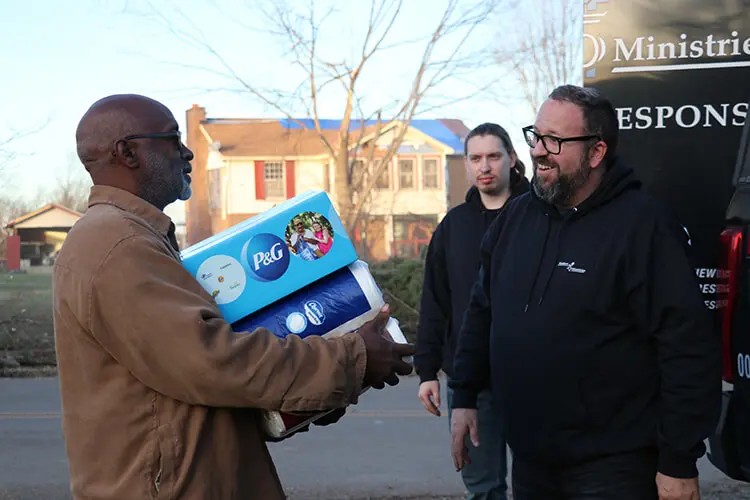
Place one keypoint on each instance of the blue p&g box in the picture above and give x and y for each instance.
(269, 256)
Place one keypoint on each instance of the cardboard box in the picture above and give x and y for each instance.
(271, 255)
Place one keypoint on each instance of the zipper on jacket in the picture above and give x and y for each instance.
(539, 264)
(566, 220)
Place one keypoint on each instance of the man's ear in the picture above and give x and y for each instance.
(513, 158)
(126, 155)
(597, 153)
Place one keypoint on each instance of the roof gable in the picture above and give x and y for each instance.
(50, 215)
(298, 137)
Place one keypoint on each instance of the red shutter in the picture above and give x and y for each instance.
(260, 180)
(289, 174)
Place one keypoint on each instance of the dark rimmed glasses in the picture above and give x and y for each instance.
(172, 134)
(552, 144)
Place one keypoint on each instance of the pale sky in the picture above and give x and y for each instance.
(60, 57)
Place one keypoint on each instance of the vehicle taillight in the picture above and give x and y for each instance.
(731, 244)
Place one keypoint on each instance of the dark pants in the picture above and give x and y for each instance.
(630, 476)
(484, 477)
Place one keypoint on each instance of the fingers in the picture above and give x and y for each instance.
(424, 398)
(404, 350)
(458, 436)
(382, 318)
(458, 450)
(402, 367)
(430, 407)
(474, 432)
(379, 384)
(457, 454)
(436, 396)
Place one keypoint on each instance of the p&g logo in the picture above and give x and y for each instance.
(266, 256)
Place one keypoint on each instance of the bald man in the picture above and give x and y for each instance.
(160, 397)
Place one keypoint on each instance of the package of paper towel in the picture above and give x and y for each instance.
(339, 303)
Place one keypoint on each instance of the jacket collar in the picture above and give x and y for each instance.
(133, 204)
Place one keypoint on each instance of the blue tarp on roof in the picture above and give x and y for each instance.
(433, 128)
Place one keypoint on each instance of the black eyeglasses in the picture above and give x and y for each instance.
(173, 134)
(552, 144)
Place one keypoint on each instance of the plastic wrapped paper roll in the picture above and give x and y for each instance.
(339, 303)
(280, 424)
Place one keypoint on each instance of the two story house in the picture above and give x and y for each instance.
(243, 167)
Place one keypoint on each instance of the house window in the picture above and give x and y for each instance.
(384, 181)
(406, 174)
(214, 189)
(273, 177)
(430, 174)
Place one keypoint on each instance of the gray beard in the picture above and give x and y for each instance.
(159, 189)
(562, 191)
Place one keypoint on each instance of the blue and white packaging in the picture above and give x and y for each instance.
(272, 255)
(338, 303)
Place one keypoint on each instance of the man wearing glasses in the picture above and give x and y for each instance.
(160, 397)
(602, 355)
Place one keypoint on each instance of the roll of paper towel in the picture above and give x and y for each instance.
(339, 303)
(281, 424)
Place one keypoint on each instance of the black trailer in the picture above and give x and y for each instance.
(678, 72)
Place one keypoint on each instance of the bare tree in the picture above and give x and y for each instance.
(8, 156)
(541, 47)
(10, 206)
(446, 54)
(71, 188)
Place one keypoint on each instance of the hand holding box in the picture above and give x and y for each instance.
(279, 425)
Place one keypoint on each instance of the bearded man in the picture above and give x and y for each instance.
(587, 316)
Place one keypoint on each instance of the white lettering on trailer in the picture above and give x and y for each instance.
(743, 365)
(686, 117)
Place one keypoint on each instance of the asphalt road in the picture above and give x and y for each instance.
(386, 447)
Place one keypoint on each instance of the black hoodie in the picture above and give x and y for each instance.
(600, 341)
(451, 265)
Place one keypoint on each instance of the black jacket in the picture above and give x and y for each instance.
(451, 265)
(600, 339)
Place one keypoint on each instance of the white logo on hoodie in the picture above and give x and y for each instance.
(570, 267)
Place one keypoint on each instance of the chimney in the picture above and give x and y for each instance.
(197, 214)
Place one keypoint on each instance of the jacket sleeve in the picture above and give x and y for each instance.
(434, 310)
(666, 299)
(155, 319)
(471, 365)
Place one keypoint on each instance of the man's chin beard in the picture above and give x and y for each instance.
(492, 190)
(562, 190)
(186, 192)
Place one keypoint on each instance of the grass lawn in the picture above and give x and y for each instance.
(27, 341)
(26, 328)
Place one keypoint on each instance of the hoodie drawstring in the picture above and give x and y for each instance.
(554, 259)
(539, 265)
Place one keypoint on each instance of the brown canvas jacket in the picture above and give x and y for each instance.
(159, 395)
